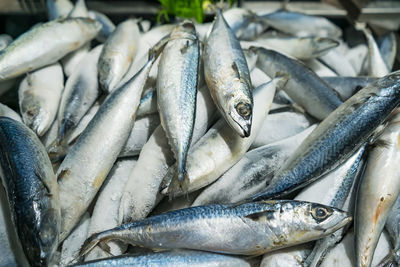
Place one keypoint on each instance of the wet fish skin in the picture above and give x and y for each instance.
(178, 258)
(117, 54)
(304, 86)
(81, 91)
(378, 191)
(107, 26)
(79, 182)
(8, 112)
(337, 137)
(39, 94)
(337, 61)
(388, 49)
(79, 11)
(249, 176)
(32, 191)
(228, 77)
(393, 228)
(247, 229)
(346, 87)
(301, 25)
(176, 90)
(5, 40)
(58, 8)
(38, 47)
(377, 66)
(148, 103)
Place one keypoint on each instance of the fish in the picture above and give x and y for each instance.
(39, 95)
(32, 191)
(346, 87)
(376, 65)
(388, 49)
(250, 175)
(81, 91)
(336, 61)
(58, 8)
(287, 257)
(220, 148)
(117, 54)
(109, 199)
(174, 258)
(141, 132)
(392, 226)
(71, 245)
(38, 47)
(378, 191)
(148, 103)
(302, 48)
(8, 112)
(107, 26)
(244, 23)
(337, 137)
(71, 61)
(320, 69)
(79, 183)
(79, 11)
(5, 40)
(141, 193)
(304, 86)
(228, 77)
(357, 56)
(301, 25)
(177, 81)
(247, 229)
(278, 126)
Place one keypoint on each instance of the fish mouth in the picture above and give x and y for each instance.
(246, 129)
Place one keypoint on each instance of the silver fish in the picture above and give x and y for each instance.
(71, 61)
(175, 258)
(357, 56)
(148, 103)
(5, 40)
(109, 200)
(346, 87)
(388, 49)
(176, 90)
(378, 191)
(337, 137)
(58, 8)
(107, 26)
(298, 47)
(228, 77)
(393, 228)
(320, 69)
(8, 112)
(287, 257)
(31, 189)
(38, 47)
(251, 173)
(247, 229)
(338, 63)
(117, 54)
(79, 11)
(79, 182)
(39, 95)
(302, 25)
(81, 91)
(220, 148)
(304, 86)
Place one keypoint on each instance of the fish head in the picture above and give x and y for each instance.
(240, 113)
(36, 118)
(309, 221)
(185, 29)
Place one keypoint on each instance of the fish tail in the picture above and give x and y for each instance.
(93, 241)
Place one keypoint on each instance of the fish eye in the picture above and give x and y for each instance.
(320, 213)
(243, 109)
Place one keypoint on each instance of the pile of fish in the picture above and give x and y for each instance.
(254, 140)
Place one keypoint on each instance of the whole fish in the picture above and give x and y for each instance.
(81, 91)
(301, 25)
(393, 228)
(39, 94)
(8, 112)
(378, 191)
(31, 189)
(41, 45)
(377, 66)
(107, 26)
(278, 126)
(141, 132)
(304, 86)
(117, 54)
(79, 182)
(346, 87)
(251, 173)
(388, 49)
(71, 245)
(58, 8)
(176, 90)
(337, 137)
(220, 148)
(175, 258)
(109, 200)
(247, 229)
(298, 47)
(228, 77)
(5, 40)
(141, 191)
